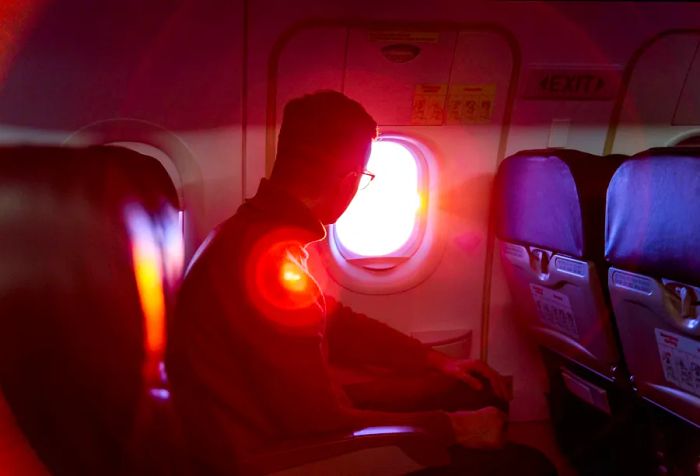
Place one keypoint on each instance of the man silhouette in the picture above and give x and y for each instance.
(253, 338)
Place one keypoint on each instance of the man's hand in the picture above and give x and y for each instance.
(469, 372)
(479, 429)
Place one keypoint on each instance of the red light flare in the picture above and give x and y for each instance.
(148, 272)
(278, 284)
(382, 218)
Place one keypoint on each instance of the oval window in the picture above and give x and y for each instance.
(383, 224)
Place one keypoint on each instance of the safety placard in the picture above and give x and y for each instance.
(680, 360)
(596, 84)
(470, 103)
(429, 105)
(554, 309)
(437, 104)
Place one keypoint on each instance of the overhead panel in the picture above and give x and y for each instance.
(479, 79)
(400, 76)
(652, 94)
(657, 79)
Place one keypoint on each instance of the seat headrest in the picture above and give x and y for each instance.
(554, 198)
(652, 219)
(87, 171)
(72, 339)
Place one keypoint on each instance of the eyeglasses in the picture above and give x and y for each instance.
(365, 180)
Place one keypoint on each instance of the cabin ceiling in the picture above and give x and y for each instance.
(172, 63)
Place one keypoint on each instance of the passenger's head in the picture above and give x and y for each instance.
(323, 148)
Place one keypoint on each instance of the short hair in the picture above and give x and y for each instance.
(322, 133)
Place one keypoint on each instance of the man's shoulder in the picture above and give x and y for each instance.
(228, 244)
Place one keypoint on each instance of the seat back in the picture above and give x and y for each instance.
(653, 244)
(83, 286)
(549, 222)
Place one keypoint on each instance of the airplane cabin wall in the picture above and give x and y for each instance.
(347, 59)
(556, 35)
(660, 105)
(162, 74)
(193, 80)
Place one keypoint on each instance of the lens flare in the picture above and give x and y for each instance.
(292, 277)
(172, 243)
(148, 270)
(150, 285)
(278, 284)
(382, 217)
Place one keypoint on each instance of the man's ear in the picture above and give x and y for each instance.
(348, 185)
(340, 197)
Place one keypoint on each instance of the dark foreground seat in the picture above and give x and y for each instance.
(89, 249)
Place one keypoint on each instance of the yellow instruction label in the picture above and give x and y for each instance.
(399, 36)
(429, 105)
(470, 103)
(436, 104)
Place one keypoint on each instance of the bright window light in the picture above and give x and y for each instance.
(381, 219)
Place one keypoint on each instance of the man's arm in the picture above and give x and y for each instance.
(298, 393)
(292, 382)
(357, 340)
(472, 372)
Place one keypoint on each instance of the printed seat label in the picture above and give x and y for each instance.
(680, 360)
(554, 309)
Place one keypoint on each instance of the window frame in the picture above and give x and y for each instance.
(688, 139)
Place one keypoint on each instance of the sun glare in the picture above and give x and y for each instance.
(148, 266)
(382, 217)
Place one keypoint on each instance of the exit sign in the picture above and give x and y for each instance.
(571, 84)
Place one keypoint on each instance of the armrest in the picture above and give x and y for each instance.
(414, 442)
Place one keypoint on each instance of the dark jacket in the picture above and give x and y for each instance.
(250, 345)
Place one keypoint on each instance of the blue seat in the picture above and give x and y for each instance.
(549, 221)
(652, 241)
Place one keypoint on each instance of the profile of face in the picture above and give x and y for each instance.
(340, 194)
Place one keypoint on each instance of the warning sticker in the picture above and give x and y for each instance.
(429, 105)
(554, 309)
(434, 105)
(470, 103)
(680, 360)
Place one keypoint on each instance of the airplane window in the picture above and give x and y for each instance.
(157, 154)
(692, 141)
(170, 238)
(382, 225)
